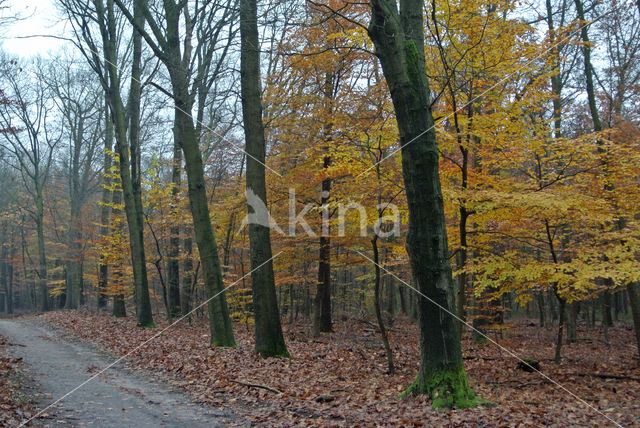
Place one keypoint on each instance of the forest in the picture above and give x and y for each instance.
(322, 213)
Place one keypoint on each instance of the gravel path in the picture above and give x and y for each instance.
(56, 364)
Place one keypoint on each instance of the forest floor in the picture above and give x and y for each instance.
(339, 379)
(54, 364)
(15, 403)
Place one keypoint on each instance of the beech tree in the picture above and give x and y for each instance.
(268, 331)
(80, 104)
(175, 52)
(398, 36)
(101, 51)
(31, 141)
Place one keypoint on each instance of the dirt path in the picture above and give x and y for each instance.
(119, 397)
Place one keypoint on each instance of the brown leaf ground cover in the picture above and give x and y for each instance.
(14, 406)
(340, 380)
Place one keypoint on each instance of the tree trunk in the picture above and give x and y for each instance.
(4, 252)
(220, 323)
(462, 254)
(322, 302)
(588, 67)
(558, 354)
(376, 294)
(129, 157)
(403, 299)
(269, 340)
(42, 258)
(322, 318)
(173, 262)
(10, 280)
(572, 312)
(634, 302)
(399, 43)
(541, 308)
(187, 275)
(119, 308)
(105, 210)
(606, 308)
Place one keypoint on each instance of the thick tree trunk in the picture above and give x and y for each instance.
(399, 43)
(268, 330)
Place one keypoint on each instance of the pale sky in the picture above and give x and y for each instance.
(40, 17)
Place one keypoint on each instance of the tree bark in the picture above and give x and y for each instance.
(634, 302)
(376, 299)
(572, 318)
(105, 210)
(74, 273)
(119, 309)
(42, 258)
(128, 154)
(322, 316)
(588, 67)
(187, 275)
(10, 278)
(269, 340)
(4, 252)
(322, 322)
(173, 262)
(143, 302)
(399, 41)
(562, 303)
(168, 48)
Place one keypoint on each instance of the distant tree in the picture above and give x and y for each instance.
(79, 101)
(30, 139)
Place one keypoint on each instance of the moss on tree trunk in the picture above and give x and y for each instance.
(399, 41)
(447, 387)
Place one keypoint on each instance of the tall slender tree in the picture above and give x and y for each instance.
(101, 51)
(174, 48)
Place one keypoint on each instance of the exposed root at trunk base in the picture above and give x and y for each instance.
(447, 389)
